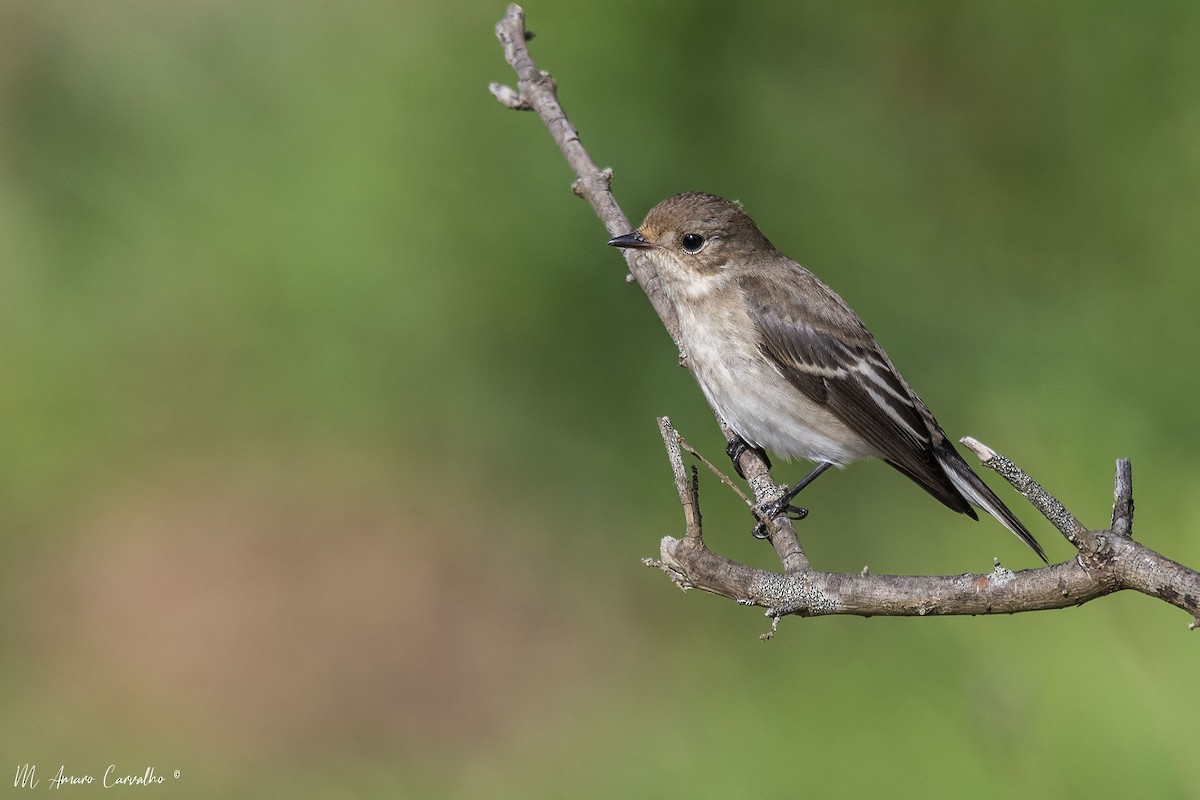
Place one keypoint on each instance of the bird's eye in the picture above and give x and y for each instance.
(692, 242)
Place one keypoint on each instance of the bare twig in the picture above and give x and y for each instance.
(537, 91)
(721, 476)
(689, 492)
(1038, 497)
(1122, 513)
(1106, 561)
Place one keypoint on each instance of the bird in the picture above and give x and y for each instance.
(788, 365)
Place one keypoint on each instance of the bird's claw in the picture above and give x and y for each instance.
(773, 510)
(738, 446)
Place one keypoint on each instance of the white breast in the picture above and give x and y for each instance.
(752, 396)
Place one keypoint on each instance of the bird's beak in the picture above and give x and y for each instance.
(632, 239)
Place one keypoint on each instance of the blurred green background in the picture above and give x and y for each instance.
(327, 421)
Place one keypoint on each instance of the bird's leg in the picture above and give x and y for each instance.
(784, 504)
(737, 446)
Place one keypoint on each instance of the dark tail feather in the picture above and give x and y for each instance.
(977, 492)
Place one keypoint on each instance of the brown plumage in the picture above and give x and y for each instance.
(786, 363)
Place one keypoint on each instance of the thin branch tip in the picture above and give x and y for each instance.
(981, 450)
(1122, 512)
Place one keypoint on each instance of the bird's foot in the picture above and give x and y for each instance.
(784, 505)
(739, 446)
(772, 510)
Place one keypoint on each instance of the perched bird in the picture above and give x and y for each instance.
(788, 365)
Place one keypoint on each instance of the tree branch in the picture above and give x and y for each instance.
(1107, 560)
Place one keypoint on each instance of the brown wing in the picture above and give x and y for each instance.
(825, 351)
